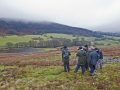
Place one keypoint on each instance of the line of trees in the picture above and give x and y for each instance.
(49, 43)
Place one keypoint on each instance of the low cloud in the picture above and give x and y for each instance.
(98, 15)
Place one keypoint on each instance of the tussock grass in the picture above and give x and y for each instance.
(53, 77)
(44, 71)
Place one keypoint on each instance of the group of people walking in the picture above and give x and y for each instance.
(89, 58)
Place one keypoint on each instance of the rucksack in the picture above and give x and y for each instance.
(66, 54)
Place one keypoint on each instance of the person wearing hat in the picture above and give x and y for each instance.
(65, 58)
(81, 60)
(92, 60)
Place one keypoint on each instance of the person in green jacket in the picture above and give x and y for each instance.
(81, 60)
(65, 58)
(87, 53)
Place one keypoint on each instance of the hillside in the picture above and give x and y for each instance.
(19, 27)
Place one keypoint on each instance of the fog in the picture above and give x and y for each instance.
(96, 15)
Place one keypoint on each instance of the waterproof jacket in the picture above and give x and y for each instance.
(93, 57)
(81, 57)
(63, 52)
(100, 54)
(87, 53)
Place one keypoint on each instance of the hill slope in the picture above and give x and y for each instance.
(19, 27)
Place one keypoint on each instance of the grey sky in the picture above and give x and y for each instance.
(96, 15)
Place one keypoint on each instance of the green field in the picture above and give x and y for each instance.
(113, 43)
(15, 39)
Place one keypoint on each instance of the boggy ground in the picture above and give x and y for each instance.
(44, 71)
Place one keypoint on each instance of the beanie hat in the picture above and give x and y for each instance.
(80, 47)
(86, 46)
(65, 47)
(96, 48)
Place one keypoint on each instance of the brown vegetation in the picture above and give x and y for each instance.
(39, 58)
(2, 32)
(37, 38)
(22, 59)
(113, 51)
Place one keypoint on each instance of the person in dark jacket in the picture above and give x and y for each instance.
(87, 52)
(100, 58)
(81, 60)
(92, 60)
(65, 58)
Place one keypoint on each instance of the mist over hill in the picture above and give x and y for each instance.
(20, 27)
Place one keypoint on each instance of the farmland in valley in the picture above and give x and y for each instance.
(25, 38)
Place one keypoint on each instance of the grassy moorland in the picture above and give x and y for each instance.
(44, 71)
(53, 78)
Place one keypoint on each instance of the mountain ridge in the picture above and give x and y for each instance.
(21, 27)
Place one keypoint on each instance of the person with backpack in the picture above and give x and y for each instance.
(92, 60)
(81, 60)
(65, 58)
(99, 63)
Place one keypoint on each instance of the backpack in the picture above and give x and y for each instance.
(66, 54)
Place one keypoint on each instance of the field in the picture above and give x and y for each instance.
(15, 39)
(112, 42)
(25, 38)
(44, 71)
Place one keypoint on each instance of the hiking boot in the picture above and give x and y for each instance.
(95, 72)
(69, 70)
(74, 71)
(65, 70)
(91, 74)
(82, 73)
(100, 67)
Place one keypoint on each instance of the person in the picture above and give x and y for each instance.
(65, 58)
(87, 52)
(81, 60)
(92, 60)
(99, 63)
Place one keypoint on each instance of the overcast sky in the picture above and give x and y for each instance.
(96, 15)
